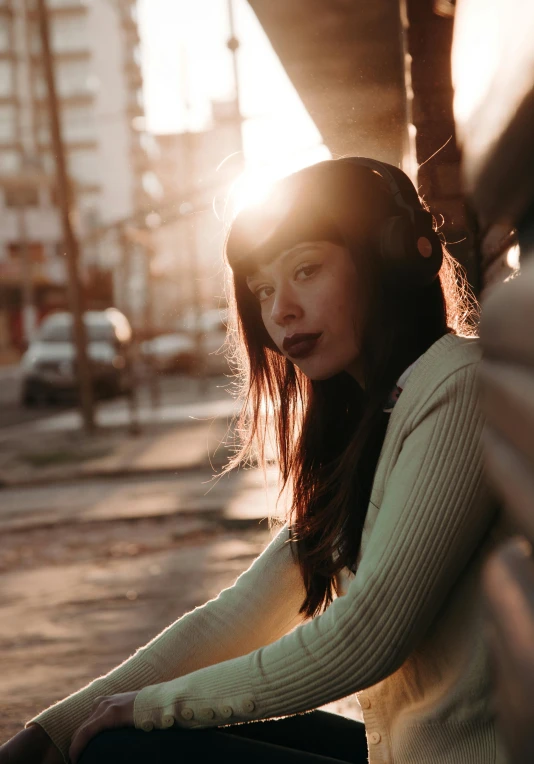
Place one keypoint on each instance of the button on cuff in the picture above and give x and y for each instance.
(248, 706)
(207, 713)
(187, 714)
(226, 712)
(167, 720)
(375, 738)
(147, 726)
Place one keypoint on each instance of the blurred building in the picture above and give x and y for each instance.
(97, 63)
(196, 170)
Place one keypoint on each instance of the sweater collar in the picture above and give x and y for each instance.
(428, 357)
(399, 386)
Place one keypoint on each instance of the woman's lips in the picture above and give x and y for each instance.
(300, 345)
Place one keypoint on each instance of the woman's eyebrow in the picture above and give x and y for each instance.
(282, 258)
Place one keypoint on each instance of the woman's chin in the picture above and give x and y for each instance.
(317, 369)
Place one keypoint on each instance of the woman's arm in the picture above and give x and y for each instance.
(261, 606)
(435, 510)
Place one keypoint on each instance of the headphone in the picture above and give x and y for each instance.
(409, 245)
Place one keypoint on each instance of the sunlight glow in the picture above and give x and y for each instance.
(474, 56)
(254, 185)
(512, 257)
(492, 52)
(250, 189)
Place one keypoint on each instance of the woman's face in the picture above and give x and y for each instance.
(311, 308)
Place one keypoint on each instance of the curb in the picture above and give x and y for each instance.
(214, 518)
(124, 472)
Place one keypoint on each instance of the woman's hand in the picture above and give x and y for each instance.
(108, 712)
(30, 746)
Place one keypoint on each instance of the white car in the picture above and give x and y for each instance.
(173, 352)
(177, 351)
(48, 367)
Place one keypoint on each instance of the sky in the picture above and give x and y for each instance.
(186, 64)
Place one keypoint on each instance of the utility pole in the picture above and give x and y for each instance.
(233, 47)
(28, 307)
(30, 168)
(195, 271)
(190, 223)
(71, 245)
(154, 386)
(126, 307)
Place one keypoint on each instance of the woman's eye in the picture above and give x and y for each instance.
(262, 293)
(306, 270)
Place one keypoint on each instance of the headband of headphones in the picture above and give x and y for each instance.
(408, 242)
(321, 199)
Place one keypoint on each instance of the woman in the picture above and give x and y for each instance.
(355, 335)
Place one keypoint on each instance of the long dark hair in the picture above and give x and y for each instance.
(329, 433)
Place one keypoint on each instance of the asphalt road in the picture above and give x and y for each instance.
(12, 412)
(237, 499)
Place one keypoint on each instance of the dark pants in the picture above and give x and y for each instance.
(314, 738)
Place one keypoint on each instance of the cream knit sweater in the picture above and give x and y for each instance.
(406, 634)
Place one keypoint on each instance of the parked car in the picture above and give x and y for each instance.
(177, 351)
(167, 353)
(213, 324)
(48, 367)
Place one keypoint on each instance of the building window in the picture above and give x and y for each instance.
(5, 41)
(6, 79)
(7, 124)
(69, 33)
(9, 162)
(35, 251)
(22, 196)
(43, 134)
(72, 79)
(67, 3)
(83, 167)
(48, 162)
(78, 124)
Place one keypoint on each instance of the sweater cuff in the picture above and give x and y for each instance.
(210, 697)
(61, 720)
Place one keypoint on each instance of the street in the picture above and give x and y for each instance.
(91, 572)
(12, 412)
(97, 556)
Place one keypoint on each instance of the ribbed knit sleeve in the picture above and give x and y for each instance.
(432, 516)
(262, 605)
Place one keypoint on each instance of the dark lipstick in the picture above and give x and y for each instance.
(300, 345)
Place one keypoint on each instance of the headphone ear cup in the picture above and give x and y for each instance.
(400, 250)
(395, 236)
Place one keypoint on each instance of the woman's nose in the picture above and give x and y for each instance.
(285, 307)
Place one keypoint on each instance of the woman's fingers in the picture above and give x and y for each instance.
(87, 732)
(109, 712)
(97, 702)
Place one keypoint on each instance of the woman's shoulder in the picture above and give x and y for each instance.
(448, 355)
(445, 361)
(455, 350)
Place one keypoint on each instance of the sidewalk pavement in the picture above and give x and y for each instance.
(174, 437)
